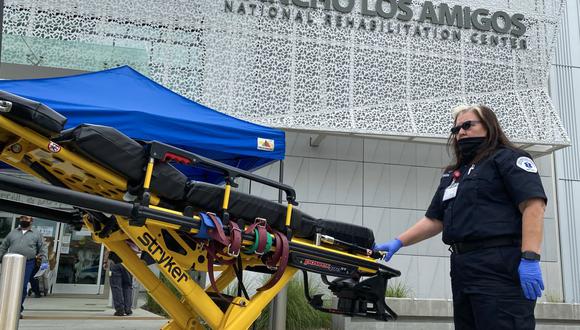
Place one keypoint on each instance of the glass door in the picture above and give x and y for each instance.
(49, 230)
(79, 261)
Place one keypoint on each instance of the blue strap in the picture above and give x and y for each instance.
(205, 224)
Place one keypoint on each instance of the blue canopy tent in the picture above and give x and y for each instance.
(145, 110)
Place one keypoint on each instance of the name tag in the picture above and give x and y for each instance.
(451, 191)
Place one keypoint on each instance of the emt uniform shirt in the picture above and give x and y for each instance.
(482, 200)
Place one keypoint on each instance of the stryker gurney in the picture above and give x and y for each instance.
(123, 189)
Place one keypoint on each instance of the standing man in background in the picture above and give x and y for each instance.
(121, 286)
(28, 242)
(121, 281)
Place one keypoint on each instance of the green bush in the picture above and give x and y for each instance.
(152, 306)
(299, 314)
(398, 290)
(263, 321)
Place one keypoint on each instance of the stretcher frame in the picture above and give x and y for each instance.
(150, 227)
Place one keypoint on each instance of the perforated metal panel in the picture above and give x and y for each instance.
(282, 64)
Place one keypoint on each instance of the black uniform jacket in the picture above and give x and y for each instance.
(488, 195)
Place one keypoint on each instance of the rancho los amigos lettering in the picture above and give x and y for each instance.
(494, 28)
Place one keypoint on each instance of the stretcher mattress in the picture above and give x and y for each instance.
(248, 207)
(114, 150)
(127, 157)
(32, 114)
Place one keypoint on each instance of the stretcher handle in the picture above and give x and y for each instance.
(91, 202)
(85, 201)
(165, 153)
(73, 218)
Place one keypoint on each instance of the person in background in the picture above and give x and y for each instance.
(121, 283)
(490, 207)
(28, 242)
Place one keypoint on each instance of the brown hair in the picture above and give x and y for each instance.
(25, 217)
(495, 138)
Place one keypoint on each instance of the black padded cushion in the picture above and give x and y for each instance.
(168, 182)
(116, 151)
(109, 147)
(34, 115)
(209, 197)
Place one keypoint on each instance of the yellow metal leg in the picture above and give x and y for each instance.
(193, 294)
(172, 325)
(159, 291)
(242, 313)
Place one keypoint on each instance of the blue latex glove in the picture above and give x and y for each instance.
(44, 266)
(391, 247)
(531, 278)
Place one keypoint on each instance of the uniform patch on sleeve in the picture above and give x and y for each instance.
(527, 164)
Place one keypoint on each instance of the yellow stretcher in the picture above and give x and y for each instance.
(182, 225)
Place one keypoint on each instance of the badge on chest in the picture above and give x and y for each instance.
(451, 191)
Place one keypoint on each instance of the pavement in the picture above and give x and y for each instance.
(83, 313)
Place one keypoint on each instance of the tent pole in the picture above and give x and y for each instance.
(280, 178)
(278, 305)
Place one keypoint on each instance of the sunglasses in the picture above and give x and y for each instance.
(466, 125)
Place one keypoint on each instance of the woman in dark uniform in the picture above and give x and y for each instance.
(490, 206)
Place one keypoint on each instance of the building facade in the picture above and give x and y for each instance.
(565, 91)
(362, 87)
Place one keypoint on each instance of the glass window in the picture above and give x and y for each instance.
(6, 224)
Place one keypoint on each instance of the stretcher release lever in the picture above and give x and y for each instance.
(355, 248)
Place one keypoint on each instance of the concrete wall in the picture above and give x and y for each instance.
(565, 90)
(387, 186)
(438, 315)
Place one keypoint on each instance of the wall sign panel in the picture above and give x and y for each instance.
(392, 68)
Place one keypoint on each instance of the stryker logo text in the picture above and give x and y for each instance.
(162, 258)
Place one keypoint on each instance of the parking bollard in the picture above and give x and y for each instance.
(11, 283)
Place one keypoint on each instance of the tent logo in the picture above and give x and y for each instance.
(265, 144)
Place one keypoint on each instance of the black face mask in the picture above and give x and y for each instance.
(24, 224)
(468, 147)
